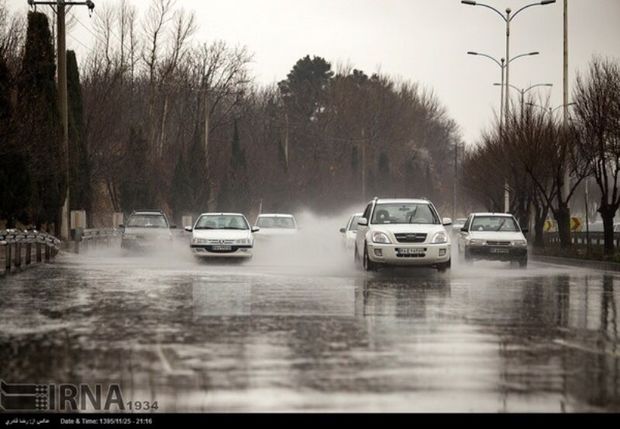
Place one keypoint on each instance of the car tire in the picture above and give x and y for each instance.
(445, 266)
(367, 264)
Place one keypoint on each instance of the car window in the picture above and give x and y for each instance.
(467, 222)
(404, 213)
(147, 221)
(221, 222)
(494, 223)
(367, 211)
(353, 224)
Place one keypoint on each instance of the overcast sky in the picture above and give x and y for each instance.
(421, 40)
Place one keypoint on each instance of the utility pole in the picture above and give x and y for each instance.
(60, 8)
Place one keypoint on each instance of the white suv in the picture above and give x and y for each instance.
(402, 232)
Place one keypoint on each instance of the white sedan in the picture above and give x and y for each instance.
(276, 225)
(222, 235)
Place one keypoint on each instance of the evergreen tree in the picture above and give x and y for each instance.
(135, 189)
(39, 121)
(234, 193)
(181, 198)
(79, 168)
(14, 176)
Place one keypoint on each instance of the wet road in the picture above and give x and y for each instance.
(267, 336)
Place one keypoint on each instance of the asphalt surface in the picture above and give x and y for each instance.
(297, 330)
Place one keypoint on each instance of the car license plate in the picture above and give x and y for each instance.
(222, 248)
(502, 251)
(411, 251)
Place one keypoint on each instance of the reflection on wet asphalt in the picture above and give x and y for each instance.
(257, 337)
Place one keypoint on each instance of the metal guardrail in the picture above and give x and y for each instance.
(581, 238)
(90, 239)
(17, 246)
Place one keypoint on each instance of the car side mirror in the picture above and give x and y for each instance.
(362, 221)
(342, 230)
(255, 229)
(188, 228)
(447, 221)
(463, 229)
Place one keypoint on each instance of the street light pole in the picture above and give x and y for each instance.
(501, 104)
(508, 17)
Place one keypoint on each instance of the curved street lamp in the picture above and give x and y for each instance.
(502, 64)
(525, 91)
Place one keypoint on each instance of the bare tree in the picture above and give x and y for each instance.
(597, 131)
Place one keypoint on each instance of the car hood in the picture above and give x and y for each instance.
(409, 228)
(496, 236)
(149, 232)
(222, 234)
(276, 231)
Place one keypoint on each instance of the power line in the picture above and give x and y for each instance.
(75, 39)
(98, 37)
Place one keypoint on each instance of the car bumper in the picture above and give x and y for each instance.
(395, 254)
(146, 245)
(497, 253)
(208, 251)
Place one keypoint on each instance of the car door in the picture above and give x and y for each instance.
(463, 234)
(361, 232)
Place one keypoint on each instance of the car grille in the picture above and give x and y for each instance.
(410, 238)
(498, 243)
(233, 249)
(221, 242)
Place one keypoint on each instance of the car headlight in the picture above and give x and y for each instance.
(381, 238)
(199, 241)
(243, 241)
(520, 243)
(474, 242)
(440, 238)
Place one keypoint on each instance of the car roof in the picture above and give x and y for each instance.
(401, 200)
(275, 215)
(148, 212)
(493, 214)
(221, 214)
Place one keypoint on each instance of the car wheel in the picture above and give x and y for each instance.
(368, 264)
(443, 267)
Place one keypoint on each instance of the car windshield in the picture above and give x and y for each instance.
(221, 222)
(405, 213)
(353, 226)
(267, 222)
(494, 223)
(147, 221)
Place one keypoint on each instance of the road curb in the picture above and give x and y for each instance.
(574, 262)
